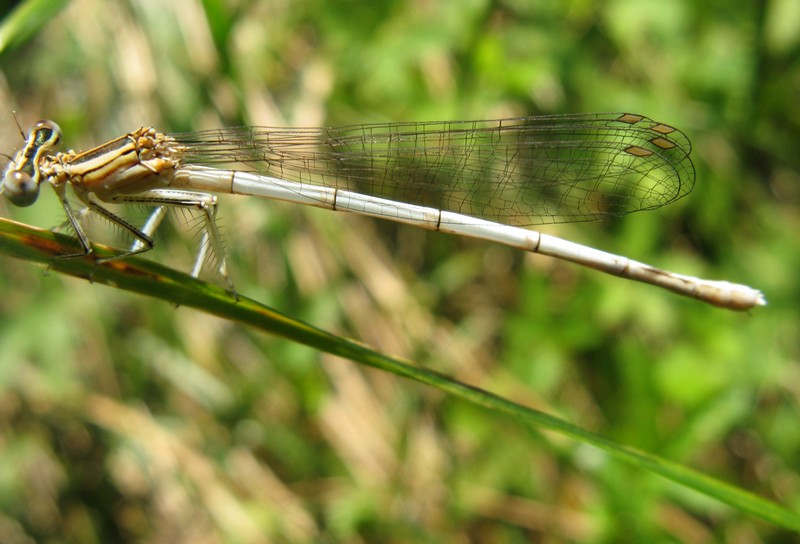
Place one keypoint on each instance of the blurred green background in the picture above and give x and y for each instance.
(127, 419)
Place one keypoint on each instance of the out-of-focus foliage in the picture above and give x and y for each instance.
(123, 418)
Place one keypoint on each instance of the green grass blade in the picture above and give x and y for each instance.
(26, 20)
(149, 278)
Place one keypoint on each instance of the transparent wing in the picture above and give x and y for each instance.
(523, 171)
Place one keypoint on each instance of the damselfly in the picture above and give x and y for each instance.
(483, 179)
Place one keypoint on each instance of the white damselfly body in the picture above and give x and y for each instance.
(482, 179)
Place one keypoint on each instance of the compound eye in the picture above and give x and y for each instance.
(46, 134)
(20, 188)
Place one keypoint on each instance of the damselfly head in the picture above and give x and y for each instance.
(23, 175)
